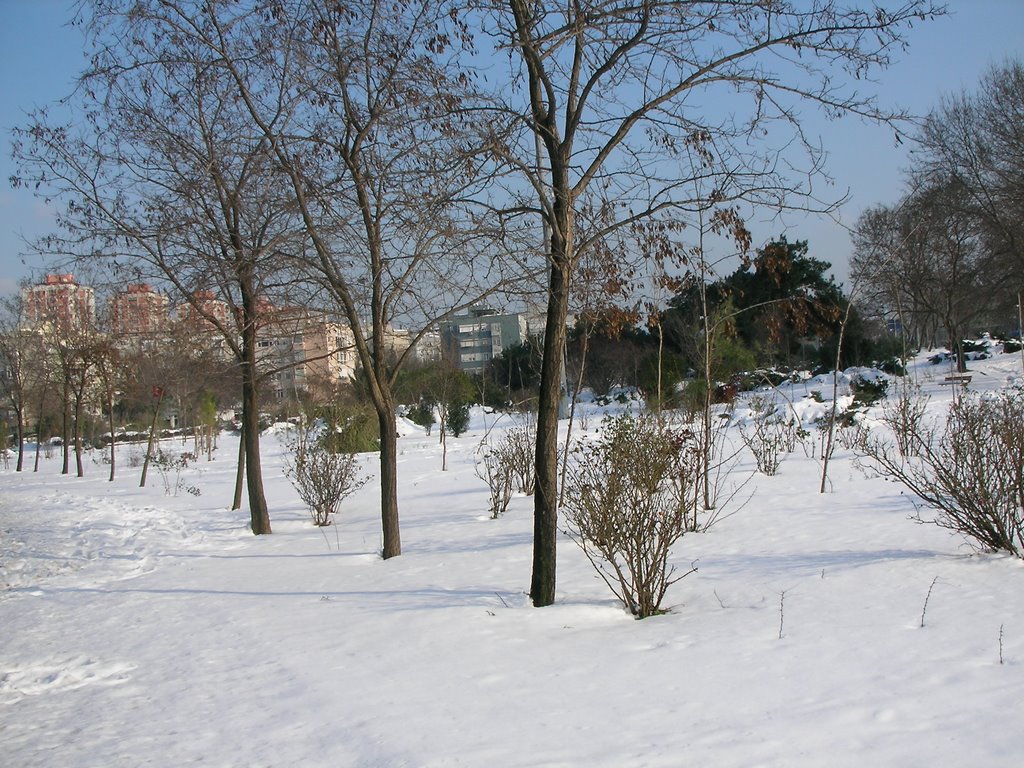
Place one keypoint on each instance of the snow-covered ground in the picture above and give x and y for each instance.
(140, 628)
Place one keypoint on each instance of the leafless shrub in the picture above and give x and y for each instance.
(517, 448)
(323, 477)
(717, 492)
(583, 420)
(170, 466)
(904, 414)
(851, 436)
(135, 456)
(508, 464)
(494, 469)
(627, 497)
(970, 468)
(770, 436)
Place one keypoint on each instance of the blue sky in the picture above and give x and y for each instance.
(40, 56)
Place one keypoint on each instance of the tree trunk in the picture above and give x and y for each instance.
(110, 406)
(236, 502)
(961, 360)
(707, 445)
(661, 353)
(259, 514)
(21, 440)
(444, 444)
(65, 433)
(826, 453)
(78, 435)
(392, 544)
(149, 442)
(39, 436)
(545, 500)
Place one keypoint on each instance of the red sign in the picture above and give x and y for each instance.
(158, 392)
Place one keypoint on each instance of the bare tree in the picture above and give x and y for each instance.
(927, 259)
(73, 346)
(948, 252)
(19, 354)
(86, 352)
(976, 139)
(361, 105)
(879, 238)
(162, 180)
(617, 93)
(112, 375)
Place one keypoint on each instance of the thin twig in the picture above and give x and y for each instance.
(926, 598)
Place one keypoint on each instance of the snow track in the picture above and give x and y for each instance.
(96, 540)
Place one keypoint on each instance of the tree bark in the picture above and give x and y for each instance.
(392, 543)
(39, 435)
(236, 502)
(21, 440)
(79, 468)
(259, 514)
(110, 410)
(65, 433)
(149, 443)
(545, 500)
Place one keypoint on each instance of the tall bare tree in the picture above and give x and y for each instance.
(162, 179)
(362, 106)
(616, 96)
(19, 354)
(112, 375)
(977, 139)
(927, 259)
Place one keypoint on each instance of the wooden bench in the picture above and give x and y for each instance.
(963, 379)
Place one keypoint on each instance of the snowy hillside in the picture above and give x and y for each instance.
(141, 628)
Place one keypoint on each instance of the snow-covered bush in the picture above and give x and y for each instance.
(969, 467)
(627, 497)
(322, 475)
(867, 389)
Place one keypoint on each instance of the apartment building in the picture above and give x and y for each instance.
(59, 303)
(196, 314)
(304, 351)
(473, 339)
(138, 311)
